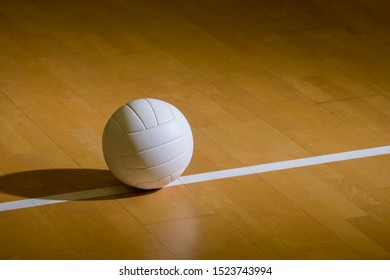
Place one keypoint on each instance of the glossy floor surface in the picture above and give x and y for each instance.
(259, 81)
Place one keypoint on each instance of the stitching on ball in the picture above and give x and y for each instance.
(161, 164)
(136, 115)
(159, 145)
(142, 130)
(173, 115)
(118, 124)
(154, 147)
(158, 180)
(154, 113)
(155, 181)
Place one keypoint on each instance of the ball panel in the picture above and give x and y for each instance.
(144, 111)
(161, 110)
(153, 137)
(177, 174)
(180, 117)
(164, 181)
(182, 120)
(156, 155)
(154, 184)
(160, 183)
(128, 120)
(155, 173)
(147, 185)
(112, 136)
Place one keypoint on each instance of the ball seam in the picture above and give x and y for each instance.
(135, 113)
(154, 113)
(161, 164)
(173, 115)
(154, 147)
(142, 130)
(170, 177)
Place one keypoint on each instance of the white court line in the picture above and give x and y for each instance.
(202, 177)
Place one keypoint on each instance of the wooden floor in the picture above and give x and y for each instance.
(259, 81)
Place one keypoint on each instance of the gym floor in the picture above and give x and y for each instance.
(260, 81)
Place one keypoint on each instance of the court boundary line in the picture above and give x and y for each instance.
(201, 177)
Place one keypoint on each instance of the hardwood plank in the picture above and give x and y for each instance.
(209, 237)
(370, 115)
(296, 237)
(374, 229)
(161, 206)
(30, 236)
(259, 81)
(103, 229)
(382, 194)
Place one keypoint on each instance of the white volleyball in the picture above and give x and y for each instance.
(147, 143)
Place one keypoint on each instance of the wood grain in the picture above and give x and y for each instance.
(259, 82)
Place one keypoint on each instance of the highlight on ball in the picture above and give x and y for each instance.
(147, 143)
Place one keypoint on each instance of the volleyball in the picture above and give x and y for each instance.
(147, 143)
